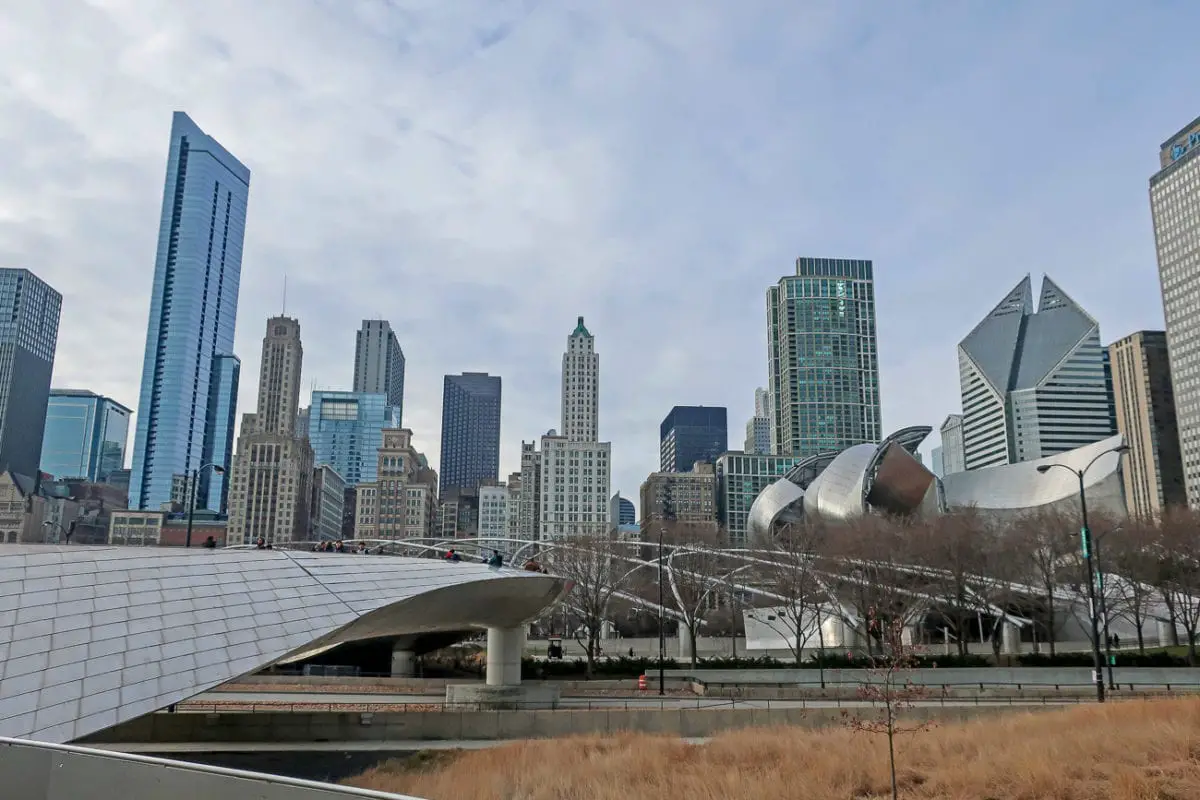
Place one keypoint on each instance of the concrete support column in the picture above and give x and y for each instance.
(606, 629)
(1164, 632)
(504, 648)
(1010, 638)
(908, 635)
(686, 645)
(404, 663)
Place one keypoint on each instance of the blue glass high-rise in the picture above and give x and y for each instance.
(212, 487)
(689, 434)
(470, 430)
(29, 312)
(345, 430)
(193, 307)
(85, 435)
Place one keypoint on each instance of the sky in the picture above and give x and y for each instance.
(482, 172)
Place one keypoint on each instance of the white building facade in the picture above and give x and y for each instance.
(1175, 209)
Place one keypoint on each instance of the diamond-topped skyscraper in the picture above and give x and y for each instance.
(193, 308)
(1034, 383)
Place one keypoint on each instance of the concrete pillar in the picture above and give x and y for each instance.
(404, 663)
(1010, 638)
(1164, 632)
(908, 635)
(606, 629)
(504, 648)
(686, 645)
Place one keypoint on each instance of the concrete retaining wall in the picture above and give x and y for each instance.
(1152, 677)
(485, 725)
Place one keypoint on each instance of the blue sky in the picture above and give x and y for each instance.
(482, 172)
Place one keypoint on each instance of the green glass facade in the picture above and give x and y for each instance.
(824, 362)
(741, 477)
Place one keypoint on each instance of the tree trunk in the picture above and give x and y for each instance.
(1050, 637)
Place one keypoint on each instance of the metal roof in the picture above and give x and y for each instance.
(94, 636)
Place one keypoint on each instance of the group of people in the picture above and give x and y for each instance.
(495, 560)
(341, 547)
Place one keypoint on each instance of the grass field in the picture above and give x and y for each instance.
(1124, 751)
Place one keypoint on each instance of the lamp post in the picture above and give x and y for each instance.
(662, 637)
(1085, 543)
(191, 496)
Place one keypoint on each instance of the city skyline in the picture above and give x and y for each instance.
(943, 235)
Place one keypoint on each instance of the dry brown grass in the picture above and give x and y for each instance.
(1120, 751)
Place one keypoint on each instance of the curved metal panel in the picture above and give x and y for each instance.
(807, 470)
(900, 483)
(42, 771)
(783, 500)
(837, 493)
(94, 636)
(1021, 486)
(909, 438)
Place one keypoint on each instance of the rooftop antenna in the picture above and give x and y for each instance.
(284, 294)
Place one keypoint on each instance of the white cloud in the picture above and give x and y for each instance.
(480, 173)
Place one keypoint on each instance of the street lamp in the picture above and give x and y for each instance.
(191, 496)
(1086, 544)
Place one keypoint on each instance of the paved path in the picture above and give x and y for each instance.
(647, 701)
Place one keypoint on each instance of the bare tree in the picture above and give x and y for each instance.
(868, 560)
(597, 570)
(890, 690)
(1178, 573)
(698, 575)
(792, 574)
(1131, 566)
(960, 554)
(1043, 544)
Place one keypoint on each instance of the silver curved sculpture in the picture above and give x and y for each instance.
(889, 478)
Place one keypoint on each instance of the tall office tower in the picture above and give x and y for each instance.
(85, 435)
(691, 434)
(1145, 406)
(823, 361)
(270, 485)
(1033, 383)
(470, 430)
(758, 427)
(529, 514)
(581, 387)
(193, 306)
(575, 467)
(379, 363)
(346, 432)
(212, 487)
(30, 310)
(1175, 208)
(954, 457)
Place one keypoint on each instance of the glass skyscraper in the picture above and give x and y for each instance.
(823, 360)
(379, 363)
(345, 430)
(690, 434)
(193, 306)
(470, 430)
(29, 311)
(212, 488)
(85, 435)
